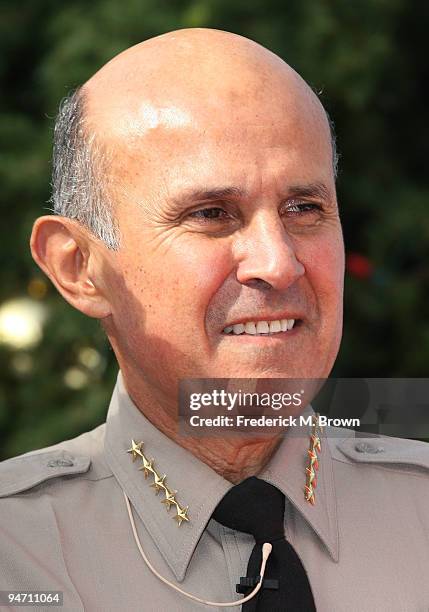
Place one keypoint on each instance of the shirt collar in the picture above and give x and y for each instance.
(200, 487)
(286, 470)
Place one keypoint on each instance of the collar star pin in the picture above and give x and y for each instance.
(170, 499)
(181, 515)
(147, 467)
(313, 462)
(159, 483)
(135, 450)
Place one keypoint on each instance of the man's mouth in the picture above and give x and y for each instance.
(254, 328)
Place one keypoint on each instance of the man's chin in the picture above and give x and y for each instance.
(271, 370)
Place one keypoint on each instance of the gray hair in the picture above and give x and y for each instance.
(79, 172)
(335, 154)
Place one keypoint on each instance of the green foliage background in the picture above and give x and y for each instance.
(369, 60)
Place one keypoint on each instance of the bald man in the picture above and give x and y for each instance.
(196, 218)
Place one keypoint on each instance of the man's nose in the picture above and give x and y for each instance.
(265, 252)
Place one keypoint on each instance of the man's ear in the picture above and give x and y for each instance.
(61, 249)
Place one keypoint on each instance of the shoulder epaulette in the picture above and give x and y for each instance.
(26, 471)
(386, 450)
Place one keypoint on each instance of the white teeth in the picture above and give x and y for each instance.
(260, 327)
(275, 326)
(250, 328)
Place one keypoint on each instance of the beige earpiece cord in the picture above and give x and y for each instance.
(266, 550)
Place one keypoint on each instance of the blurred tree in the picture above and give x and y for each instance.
(368, 63)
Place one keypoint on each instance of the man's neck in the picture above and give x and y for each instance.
(234, 457)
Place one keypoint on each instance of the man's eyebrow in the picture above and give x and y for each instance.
(214, 193)
(312, 190)
(207, 194)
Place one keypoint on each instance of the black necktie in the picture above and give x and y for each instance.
(257, 507)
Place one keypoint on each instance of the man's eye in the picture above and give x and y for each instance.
(214, 212)
(299, 208)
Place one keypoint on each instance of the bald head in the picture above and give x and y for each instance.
(182, 78)
(173, 85)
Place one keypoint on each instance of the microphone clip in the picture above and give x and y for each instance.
(248, 583)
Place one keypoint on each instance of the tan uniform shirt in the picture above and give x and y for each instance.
(64, 524)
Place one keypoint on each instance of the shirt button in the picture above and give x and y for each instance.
(60, 463)
(367, 447)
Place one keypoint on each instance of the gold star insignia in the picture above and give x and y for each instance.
(170, 499)
(313, 459)
(181, 515)
(147, 466)
(309, 494)
(316, 442)
(311, 476)
(158, 483)
(136, 449)
(313, 464)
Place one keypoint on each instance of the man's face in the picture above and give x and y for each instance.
(228, 216)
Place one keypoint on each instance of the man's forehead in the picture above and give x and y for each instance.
(190, 78)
